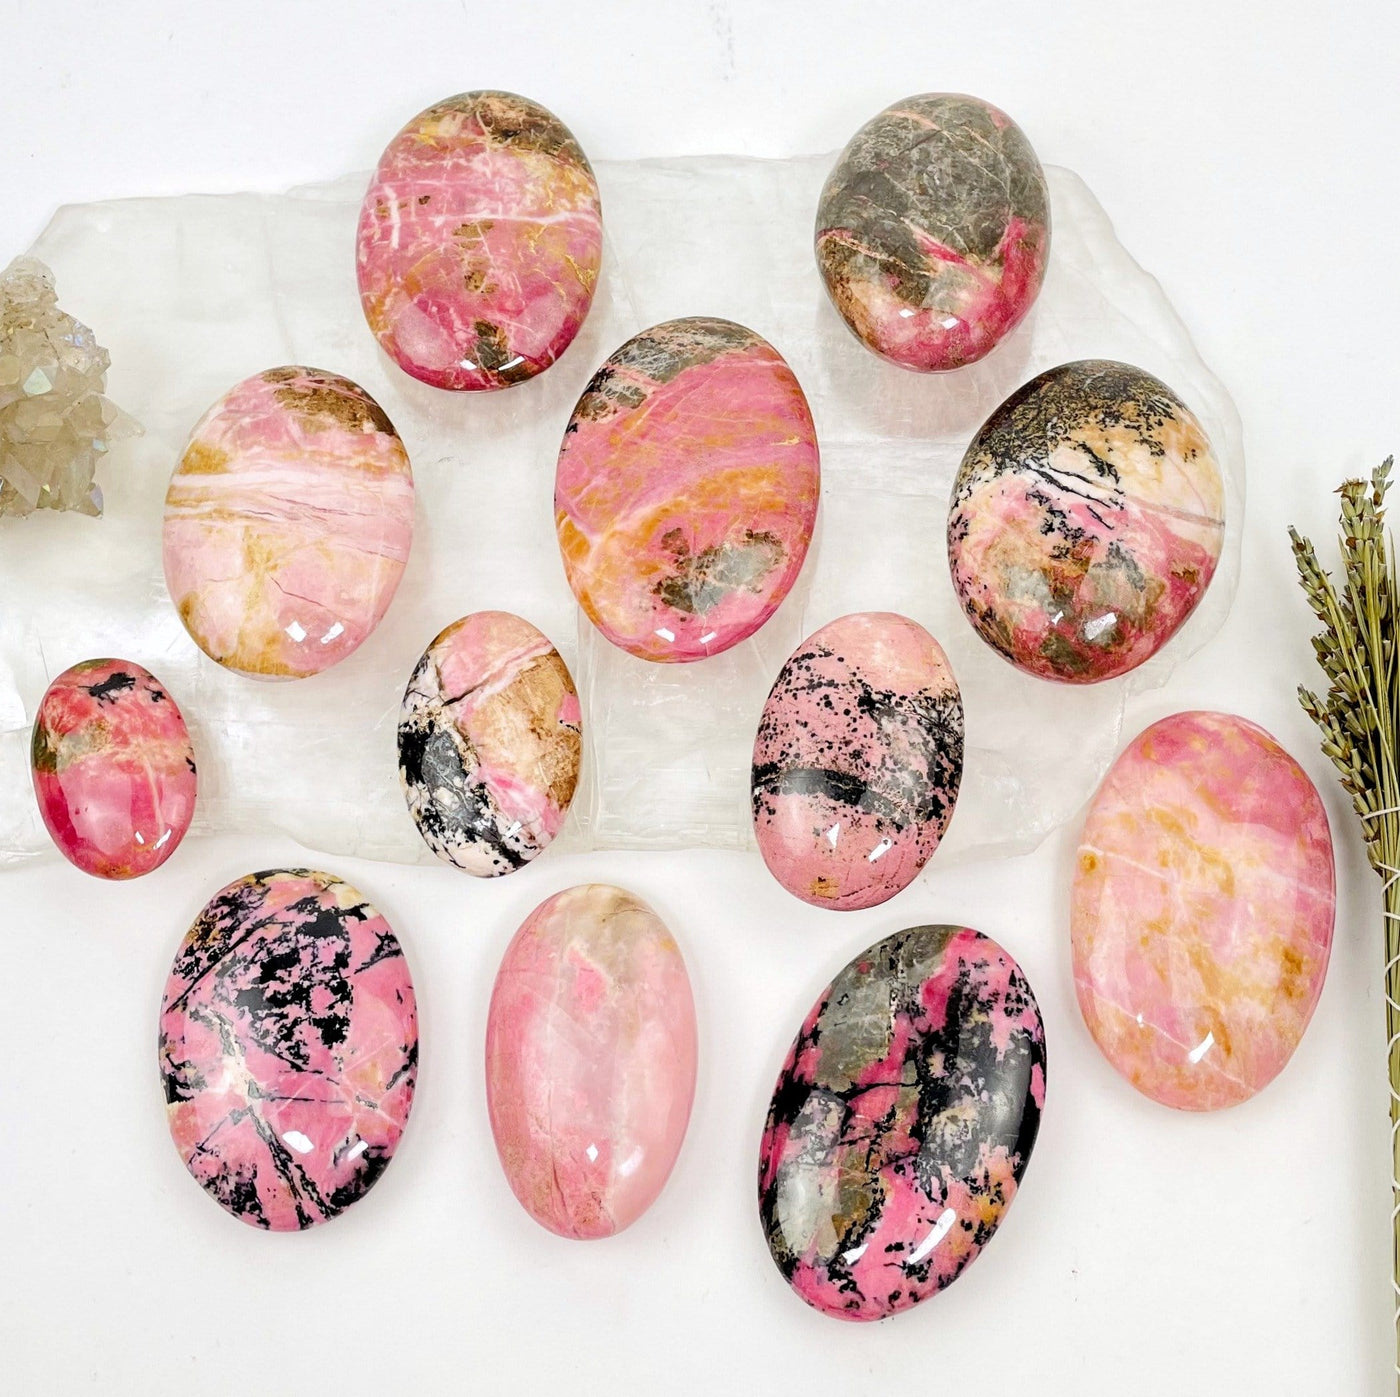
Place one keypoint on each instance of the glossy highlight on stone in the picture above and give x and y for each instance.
(113, 768)
(1203, 909)
(933, 231)
(590, 1060)
(288, 1048)
(902, 1122)
(1086, 521)
(686, 490)
(857, 761)
(490, 737)
(288, 523)
(479, 242)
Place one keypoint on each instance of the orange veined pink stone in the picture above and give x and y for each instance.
(590, 1060)
(1203, 908)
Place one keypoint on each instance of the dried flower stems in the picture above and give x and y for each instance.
(1360, 722)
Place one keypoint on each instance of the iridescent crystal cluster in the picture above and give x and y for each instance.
(55, 423)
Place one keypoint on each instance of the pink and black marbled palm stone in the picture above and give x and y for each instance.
(933, 231)
(1086, 521)
(288, 1048)
(902, 1122)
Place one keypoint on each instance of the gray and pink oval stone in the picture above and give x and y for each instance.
(479, 244)
(933, 231)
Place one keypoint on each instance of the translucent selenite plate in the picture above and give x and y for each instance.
(192, 294)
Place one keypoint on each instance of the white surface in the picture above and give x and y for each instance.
(1246, 154)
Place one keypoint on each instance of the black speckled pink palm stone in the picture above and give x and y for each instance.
(933, 231)
(902, 1122)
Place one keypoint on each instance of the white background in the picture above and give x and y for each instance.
(1247, 153)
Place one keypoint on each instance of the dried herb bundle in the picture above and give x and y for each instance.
(1360, 722)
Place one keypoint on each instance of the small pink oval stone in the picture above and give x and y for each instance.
(479, 242)
(1202, 911)
(288, 523)
(113, 768)
(590, 1060)
(858, 760)
(686, 490)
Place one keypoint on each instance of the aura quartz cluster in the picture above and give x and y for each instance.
(113, 768)
(1203, 908)
(933, 231)
(590, 1060)
(490, 737)
(902, 1122)
(479, 242)
(686, 489)
(56, 425)
(1086, 521)
(288, 1048)
(288, 523)
(857, 761)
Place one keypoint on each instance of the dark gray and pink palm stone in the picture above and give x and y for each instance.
(1086, 521)
(933, 231)
(902, 1122)
(288, 1048)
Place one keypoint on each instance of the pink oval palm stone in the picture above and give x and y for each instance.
(857, 761)
(288, 523)
(288, 1048)
(933, 231)
(1202, 911)
(479, 242)
(1086, 521)
(686, 491)
(590, 1060)
(113, 768)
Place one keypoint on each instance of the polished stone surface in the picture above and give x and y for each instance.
(113, 768)
(857, 761)
(1203, 908)
(288, 523)
(686, 490)
(902, 1122)
(479, 242)
(288, 1048)
(933, 231)
(1086, 521)
(489, 743)
(590, 1060)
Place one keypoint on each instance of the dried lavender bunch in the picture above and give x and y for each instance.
(1359, 718)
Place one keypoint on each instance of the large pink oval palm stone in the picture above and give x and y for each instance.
(479, 242)
(686, 491)
(288, 523)
(288, 1048)
(590, 1060)
(857, 761)
(113, 768)
(1202, 912)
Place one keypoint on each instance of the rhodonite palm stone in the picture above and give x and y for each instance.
(686, 490)
(113, 768)
(902, 1122)
(1086, 521)
(288, 1048)
(490, 738)
(857, 761)
(479, 243)
(933, 231)
(1203, 907)
(288, 523)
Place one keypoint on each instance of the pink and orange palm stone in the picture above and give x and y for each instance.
(590, 1060)
(113, 768)
(686, 491)
(1202, 910)
(288, 523)
(479, 243)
